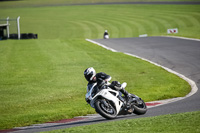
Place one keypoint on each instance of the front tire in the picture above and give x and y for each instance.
(105, 109)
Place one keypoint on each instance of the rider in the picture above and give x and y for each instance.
(102, 79)
(106, 35)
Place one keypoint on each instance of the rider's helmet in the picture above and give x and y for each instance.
(89, 73)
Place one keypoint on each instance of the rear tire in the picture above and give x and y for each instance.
(108, 112)
(140, 109)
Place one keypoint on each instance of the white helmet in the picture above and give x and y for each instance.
(89, 73)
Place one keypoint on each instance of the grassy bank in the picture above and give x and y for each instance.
(176, 123)
(42, 80)
(66, 22)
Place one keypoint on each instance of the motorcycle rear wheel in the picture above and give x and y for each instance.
(105, 109)
(140, 109)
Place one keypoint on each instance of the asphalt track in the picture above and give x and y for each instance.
(180, 55)
(116, 3)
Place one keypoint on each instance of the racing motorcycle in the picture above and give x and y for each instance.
(110, 103)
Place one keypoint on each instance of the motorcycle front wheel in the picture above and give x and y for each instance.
(105, 108)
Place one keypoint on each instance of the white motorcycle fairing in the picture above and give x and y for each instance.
(108, 94)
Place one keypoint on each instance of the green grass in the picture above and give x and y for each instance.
(42, 80)
(176, 123)
(65, 22)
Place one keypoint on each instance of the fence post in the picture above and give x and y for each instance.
(8, 33)
(18, 28)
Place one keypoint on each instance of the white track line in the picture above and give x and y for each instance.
(193, 39)
(191, 82)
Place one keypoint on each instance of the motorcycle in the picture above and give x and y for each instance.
(110, 103)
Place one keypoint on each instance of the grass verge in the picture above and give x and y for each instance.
(175, 123)
(66, 22)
